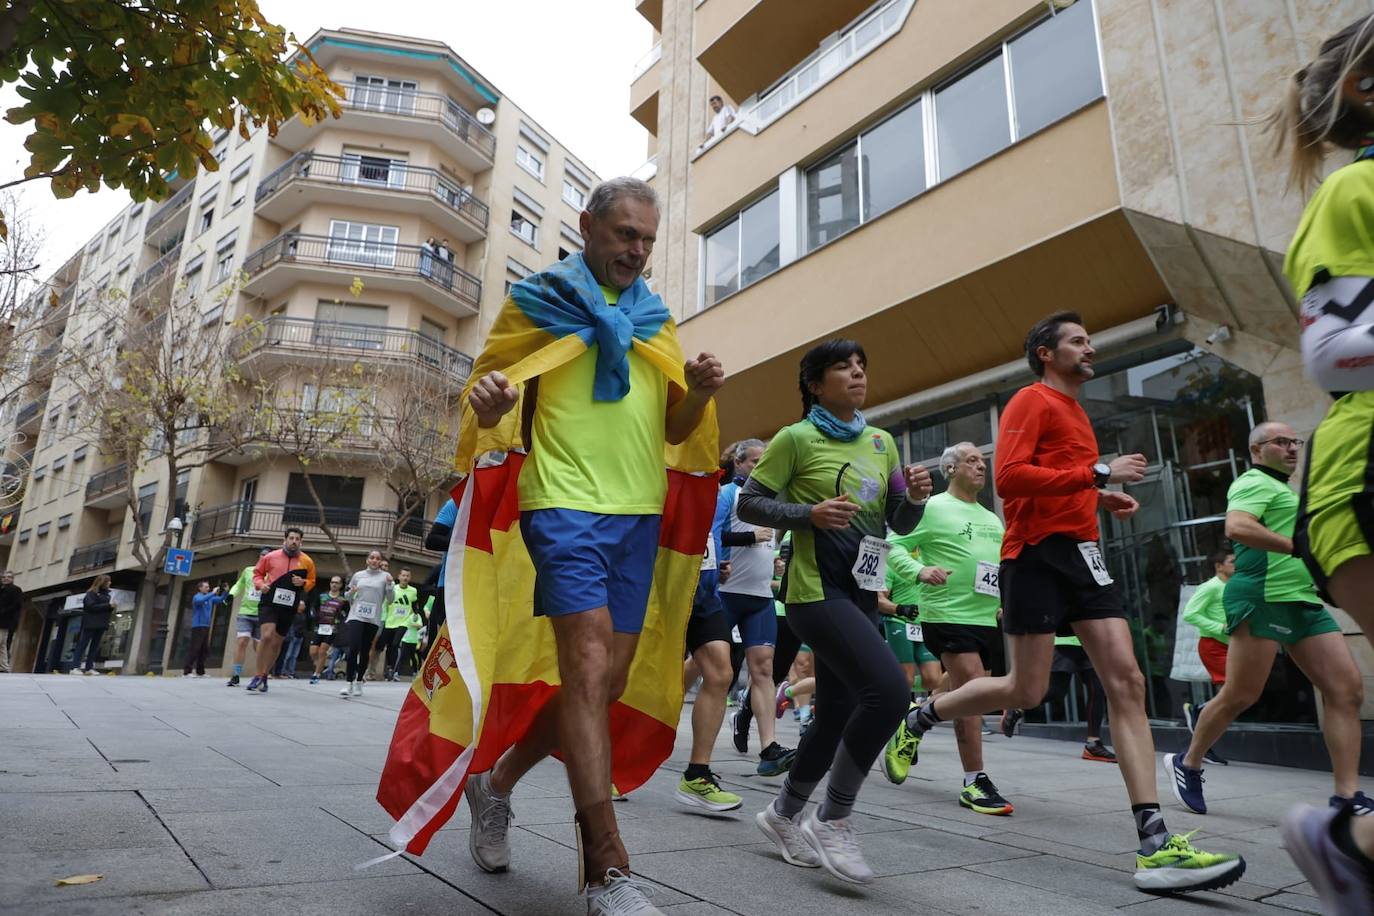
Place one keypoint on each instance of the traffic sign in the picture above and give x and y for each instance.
(178, 562)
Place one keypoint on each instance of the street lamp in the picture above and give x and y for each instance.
(176, 526)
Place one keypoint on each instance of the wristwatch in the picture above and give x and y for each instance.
(1102, 474)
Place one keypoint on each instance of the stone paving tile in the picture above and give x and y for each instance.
(29, 875)
(60, 821)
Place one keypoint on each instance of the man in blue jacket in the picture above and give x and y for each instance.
(202, 611)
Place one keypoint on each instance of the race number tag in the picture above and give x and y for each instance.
(284, 596)
(734, 635)
(708, 559)
(1092, 555)
(870, 569)
(365, 610)
(325, 629)
(985, 579)
(913, 632)
(252, 594)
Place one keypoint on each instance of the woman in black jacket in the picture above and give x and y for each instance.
(95, 619)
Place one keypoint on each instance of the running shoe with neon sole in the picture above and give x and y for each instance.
(983, 798)
(1186, 782)
(1099, 752)
(837, 845)
(775, 760)
(900, 754)
(1179, 867)
(705, 793)
(1011, 720)
(1190, 715)
(616, 795)
(1341, 882)
(785, 833)
(781, 701)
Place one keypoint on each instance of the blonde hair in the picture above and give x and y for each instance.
(1314, 117)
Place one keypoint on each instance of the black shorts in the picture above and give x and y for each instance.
(1070, 660)
(1050, 585)
(283, 617)
(321, 639)
(704, 628)
(962, 637)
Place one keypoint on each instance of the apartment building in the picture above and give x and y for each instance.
(930, 177)
(432, 189)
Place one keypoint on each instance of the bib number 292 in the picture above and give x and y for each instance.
(870, 569)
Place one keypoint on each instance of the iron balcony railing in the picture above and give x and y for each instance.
(154, 273)
(346, 253)
(29, 411)
(357, 528)
(105, 482)
(428, 106)
(375, 174)
(174, 205)
(280, 332)
(93, 556)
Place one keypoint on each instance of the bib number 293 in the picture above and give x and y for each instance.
(870, 569)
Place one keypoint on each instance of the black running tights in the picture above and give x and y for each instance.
(1061, 681)
(360, 636)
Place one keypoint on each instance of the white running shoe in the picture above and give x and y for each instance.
(785, 832)
(488, 840)
(621, 895)
(838, 847)
(357, 688)
(346, 690)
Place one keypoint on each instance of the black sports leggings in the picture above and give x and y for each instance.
(785, 651)
(861, 691)
(1061, 681)
(360, 636)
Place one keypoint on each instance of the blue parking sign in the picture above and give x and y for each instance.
(178, 562)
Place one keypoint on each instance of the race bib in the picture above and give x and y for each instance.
(734, 635)
(365, 610)
(284, 596)
(985, 580)
(870, 569)
(325, 629)
(1092, 555)
(253, 594)
(708, 559)
(913, 632)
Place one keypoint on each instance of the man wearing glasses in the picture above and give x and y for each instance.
(1272, 601)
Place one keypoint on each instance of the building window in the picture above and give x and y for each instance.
(59, 463)
(722, 262)
(524, 226)
(381, 94)
(64, 521)
(147, 494)
(238, 190)
(44, 528)
(758, 243)
(342, 498)
(363, 243)
(893, 161)
(221, 148)
(515, 272)
(190, 281)
(346, 324)
(112, 240)
(224, 257)
(971, 117)
(832, 197)
(529, 160)
(375, 170)
(40, 472)
(574, 194)
(1054, 68)
(207, 209)
(24, 535)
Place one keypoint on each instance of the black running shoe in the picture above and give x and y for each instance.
(739, 727)
(1190, 715)
(1011, 718)
(233, 681)
(1213, 757)
(775, 760)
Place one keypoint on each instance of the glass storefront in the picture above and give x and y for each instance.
(1190, 413)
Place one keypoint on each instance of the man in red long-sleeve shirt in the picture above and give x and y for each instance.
(280, 595)
(1053, 580)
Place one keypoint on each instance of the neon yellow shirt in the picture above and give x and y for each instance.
(597, 456)
(1205, 610)
(1336, 234)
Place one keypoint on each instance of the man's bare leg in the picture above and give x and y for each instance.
(1024, 685)
(713, 660)
(1330, 667)
(759, 660)
(1248, 663)
(268, 648)
(964, 667)
(1109, 647)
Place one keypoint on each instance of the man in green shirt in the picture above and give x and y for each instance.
(960, 544)
(1272, 601)
(397, 619)
(1206, 611)
(246, 624)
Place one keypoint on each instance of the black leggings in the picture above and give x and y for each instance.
(785, 651)
(360, 635)
(1061, 681)
(391, 642)
(861, 691)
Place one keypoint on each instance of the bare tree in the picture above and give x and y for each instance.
(30, 317)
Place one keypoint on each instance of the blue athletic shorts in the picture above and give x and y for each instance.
(756, 618)
(584, 560)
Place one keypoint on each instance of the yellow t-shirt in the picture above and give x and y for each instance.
(597, 456)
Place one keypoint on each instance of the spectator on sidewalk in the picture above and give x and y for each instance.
(11, 605)
(202, 613)
(96, 609)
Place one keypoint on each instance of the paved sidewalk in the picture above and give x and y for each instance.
(191, 798)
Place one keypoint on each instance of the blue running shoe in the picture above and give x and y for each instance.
(253, 684)
(1187, 783)
(1362, 804)
(776, 760)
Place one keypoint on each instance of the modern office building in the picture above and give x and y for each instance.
(931, 177)
(425, 150)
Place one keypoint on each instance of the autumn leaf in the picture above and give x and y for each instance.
(77, 879)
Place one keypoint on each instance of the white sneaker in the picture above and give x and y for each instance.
(838, 847)
(489, 840)
(785, 832)
(357, 688)
(346, 690)
(621, 895)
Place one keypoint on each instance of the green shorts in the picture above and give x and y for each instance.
(1336, 509)
(907, 652)
(1286, 622)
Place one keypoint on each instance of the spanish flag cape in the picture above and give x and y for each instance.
(493, 664)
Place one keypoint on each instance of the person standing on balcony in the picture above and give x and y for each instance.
(722, 116)
(396, 623)
(11, 606)
(203, 605)
(96, 610)
(280, 576)
(370, 593)
(427, 253)
(247, 627)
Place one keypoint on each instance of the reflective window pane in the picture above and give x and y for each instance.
(971, 118)
(894, 162)
(832, 197)
(1054, 68)
(759, 241)
(722, 262)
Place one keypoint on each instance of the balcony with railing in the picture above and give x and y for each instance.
(31, 414)
(161, 269)
(281, 341)
(169, 220)
(644, 86)
(107, 489)
(45, 363)
(93, 556)
(283, 431)
(309, 178)
(231, 525)
(396, 112)
(294, 258)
